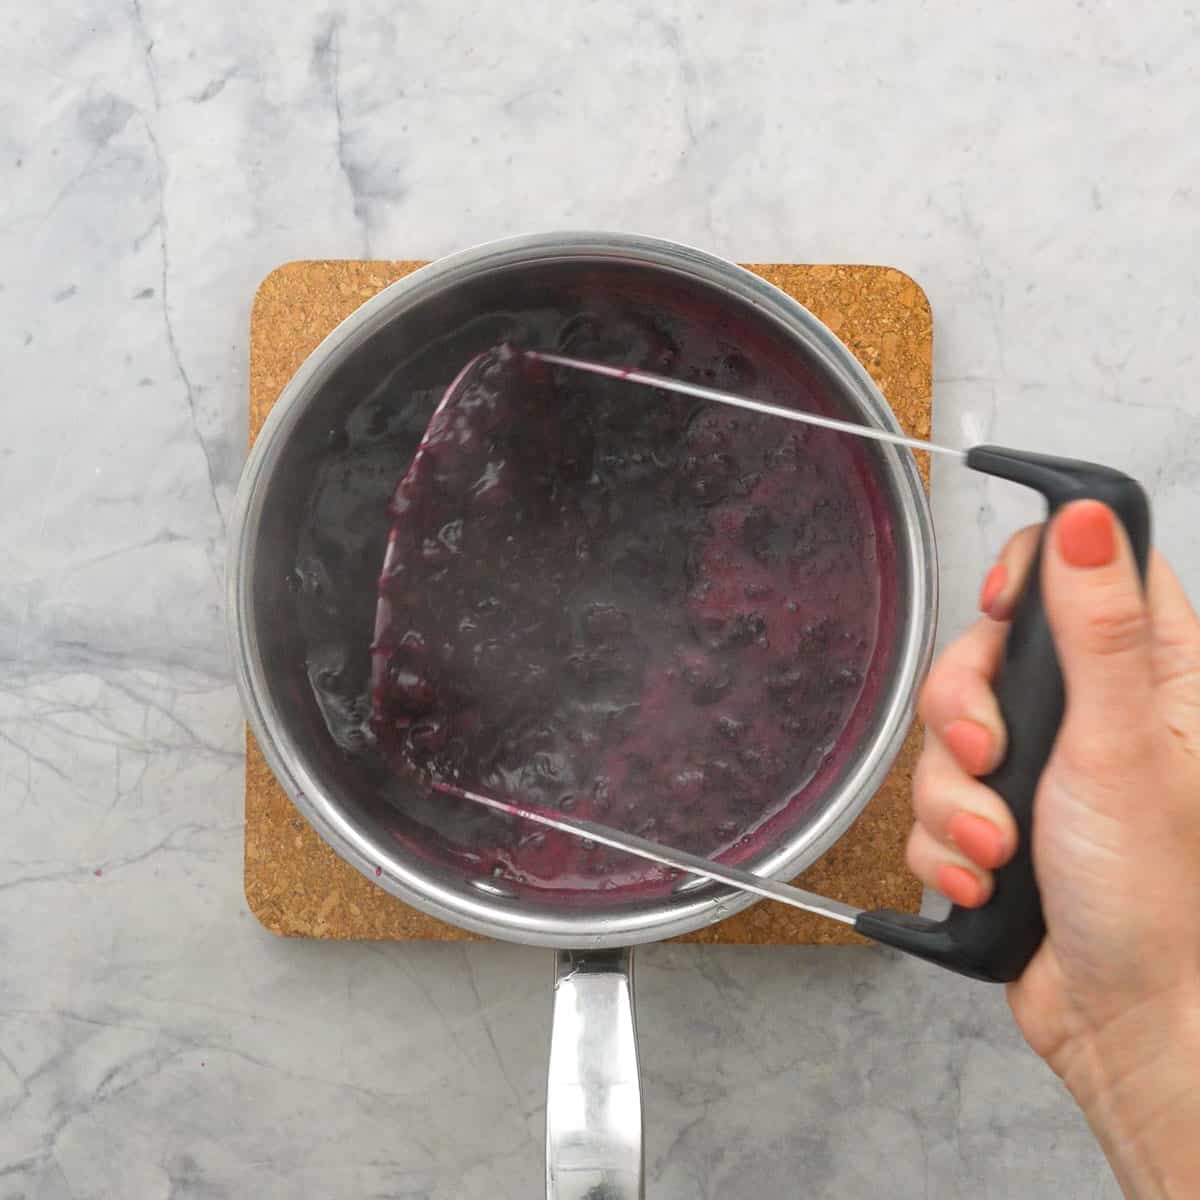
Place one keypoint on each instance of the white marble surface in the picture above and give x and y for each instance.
(1033, 164)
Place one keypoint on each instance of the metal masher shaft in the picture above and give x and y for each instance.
(648, 378)
(679, 860)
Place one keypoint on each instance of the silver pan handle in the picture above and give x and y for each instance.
(594, 1096)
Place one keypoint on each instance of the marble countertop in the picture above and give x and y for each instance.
(1033, 165)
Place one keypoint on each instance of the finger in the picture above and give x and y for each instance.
(960, 812)
(1100, 621)
(957, 703)
(1174, 651)
(947, 871)
(1002, 584)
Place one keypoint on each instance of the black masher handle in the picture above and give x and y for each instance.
(996, 942)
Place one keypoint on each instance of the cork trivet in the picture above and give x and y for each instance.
(298, 887)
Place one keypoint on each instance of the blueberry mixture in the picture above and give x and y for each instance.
(632, 606)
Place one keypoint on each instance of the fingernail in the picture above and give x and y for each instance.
(977, 838)
(1085, 534)
(960, 885)
(971, 744)
(993, 585)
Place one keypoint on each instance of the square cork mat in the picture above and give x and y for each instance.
(297, 887)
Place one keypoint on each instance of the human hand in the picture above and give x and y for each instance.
(1112, 998)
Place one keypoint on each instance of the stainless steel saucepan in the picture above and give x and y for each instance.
(594, 1113)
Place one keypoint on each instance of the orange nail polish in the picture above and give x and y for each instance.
(960, 885)
(970, 743)
(977, 838)
(1086, 535)
(993, 585)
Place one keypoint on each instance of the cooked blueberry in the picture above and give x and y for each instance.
(843, 678)
(797, 726)
(744, 629)
(784, 676)
(493, 489)
(708, 478)
(605, 621)
(712, 688)
(409, 691)
(412, 644)
(731, 729)
(428, 735)
(758, 761)
(719, 774)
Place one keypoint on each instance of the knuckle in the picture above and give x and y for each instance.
(928, 793)
(916, 853)
(1019, 548)
(925, 700)
(932, 699)
(942, 696)
(924, 808)
(921, 785)
(1116, 627)
(911, 856)
(1023, 541)
(927, 770)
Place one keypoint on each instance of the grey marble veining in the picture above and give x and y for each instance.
(1033, 165)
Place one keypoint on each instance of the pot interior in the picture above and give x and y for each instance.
(320, 531)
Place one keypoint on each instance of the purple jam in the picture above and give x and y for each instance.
(630, 606)
(685, 637)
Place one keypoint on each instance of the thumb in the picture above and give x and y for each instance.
(1100, 620)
